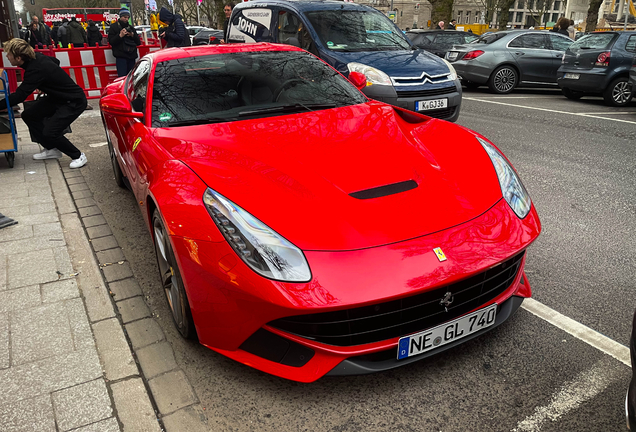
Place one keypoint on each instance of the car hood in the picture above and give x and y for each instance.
(395, 63)
(296, 172)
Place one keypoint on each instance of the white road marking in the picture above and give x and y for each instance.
(572, 394)
(550, 110)
(518, 97)
(591, 337)
(610, 113)
(101, 144)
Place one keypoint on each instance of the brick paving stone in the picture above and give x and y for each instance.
(81, 405)
(144, 332)
(133, 406)
(156, 359)
(4, 340)
(72, 174)
(51, 230)
(172, 391)
(42, 208)
(110, 256)
(124, 289)
(35, 178)
(17, 190)
(63, 261)
(78, 187)
(104, 243)
(191, 419)
(113, 349)
(18, 211)
(39, 190)
(16, 232)
(80, 328)
(30, 268)
(39, 333)
(47, 375)
(108, 425)
(133, 309)
(20, 298)
(36, 219)
(89, 211)
(28, 416)
(117, 272)
(98, 231)
(85, 202)
(8, 202)
(92, 221)
(59, 290)
(75, 180)
(82, 194)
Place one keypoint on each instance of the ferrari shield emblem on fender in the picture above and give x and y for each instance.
(440, 254)
(137, 141)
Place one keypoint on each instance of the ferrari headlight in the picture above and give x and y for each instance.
(511, 187)
(453, 72)
(374, 76)
(260, 247)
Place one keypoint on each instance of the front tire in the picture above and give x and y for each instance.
(619, 93)
(503, 80)
(571, 94)
(171, 280)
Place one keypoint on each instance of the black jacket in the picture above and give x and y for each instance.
(93, 35)
(560, 30)
(176, 34)
(125, 47)
(76, 33)
(44, 73)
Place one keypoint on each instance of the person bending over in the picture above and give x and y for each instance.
(63, 102)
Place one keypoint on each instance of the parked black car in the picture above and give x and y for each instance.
(630, 399)
(632, 76)
(439, 41)
(599, 63)
(208, 37)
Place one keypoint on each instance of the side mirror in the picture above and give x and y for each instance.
(118, 104)
(358, 79)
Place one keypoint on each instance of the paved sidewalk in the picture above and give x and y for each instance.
(65, 362)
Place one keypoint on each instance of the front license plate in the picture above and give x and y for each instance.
(431, 104)
(572, 76)
(441, 335)
(452, 56)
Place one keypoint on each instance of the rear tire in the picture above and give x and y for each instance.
(619, 93)
(503, 80)
(571, 94)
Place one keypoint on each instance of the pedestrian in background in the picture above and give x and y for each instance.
(48, 116)
(34, 37)
(123, 39)
(227, 10)
(175, 34)
(62, 33)
(54, 35)
(43, 30)
(440, 25)
(572, 30)
(561, 26)
(22, 31)
(93, 34)
(451, 25)
(76, 33)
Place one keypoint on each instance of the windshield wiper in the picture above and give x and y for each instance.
(193, 122)
(286, 108)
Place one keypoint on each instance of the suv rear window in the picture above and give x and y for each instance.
(595, 41)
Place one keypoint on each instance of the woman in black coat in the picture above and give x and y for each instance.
(34, 36)
(93, 34)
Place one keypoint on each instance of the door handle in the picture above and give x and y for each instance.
(519, 53)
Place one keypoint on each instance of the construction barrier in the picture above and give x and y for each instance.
(91, 68)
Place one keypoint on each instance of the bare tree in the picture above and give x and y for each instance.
(537, 9)
(504, 13)
(442, 10)
(592, 15)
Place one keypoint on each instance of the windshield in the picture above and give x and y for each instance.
(357, 30)
(237, 86)
(594, 41)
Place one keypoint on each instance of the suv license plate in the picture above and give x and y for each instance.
(441, 335)
(452, 56)
(572, 76)
(431, 104)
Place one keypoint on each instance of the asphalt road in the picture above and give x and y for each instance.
(577, 161)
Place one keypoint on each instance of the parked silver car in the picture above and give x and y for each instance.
(506, 59)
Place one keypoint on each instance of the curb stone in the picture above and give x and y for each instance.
(160, 375)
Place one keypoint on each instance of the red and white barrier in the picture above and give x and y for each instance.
(91, 68)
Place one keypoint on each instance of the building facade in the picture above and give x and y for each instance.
(408, 13)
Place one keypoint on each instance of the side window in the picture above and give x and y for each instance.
(560, 43)
(631, 44)
(532, 41)
(292, 31)
(138, 86)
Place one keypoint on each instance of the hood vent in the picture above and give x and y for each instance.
(386, 190)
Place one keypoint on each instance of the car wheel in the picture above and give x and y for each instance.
(120, 179)
(171, 280)
(503, 80)
(571, 94)
(618, 93)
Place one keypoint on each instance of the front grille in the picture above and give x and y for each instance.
(404, 316)
(440, 114)
(426, 93)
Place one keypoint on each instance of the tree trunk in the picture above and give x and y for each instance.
(442, 10)
(504, 14)
(592, 15)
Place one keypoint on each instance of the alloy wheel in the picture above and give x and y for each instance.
(169, 280)
(622, 92)
(505, 80)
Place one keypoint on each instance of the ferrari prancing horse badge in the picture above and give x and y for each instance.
(440, 254)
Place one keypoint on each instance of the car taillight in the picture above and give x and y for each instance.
(603, 59)
(472, 54)
(212, 38)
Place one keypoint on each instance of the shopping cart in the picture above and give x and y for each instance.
(8, 136)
